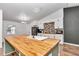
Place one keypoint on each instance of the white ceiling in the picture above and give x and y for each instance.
(12, 10)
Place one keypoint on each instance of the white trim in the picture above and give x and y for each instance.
(0, 44)
(71, 44)
(10, 53)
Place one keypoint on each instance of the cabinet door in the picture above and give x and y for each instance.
(8, 48)
(60, 37)
(54, 51)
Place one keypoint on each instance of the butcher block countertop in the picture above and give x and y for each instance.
(31, 47)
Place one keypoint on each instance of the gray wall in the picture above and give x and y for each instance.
(20, 28)
(71, 25)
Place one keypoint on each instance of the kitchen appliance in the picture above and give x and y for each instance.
(34, 31)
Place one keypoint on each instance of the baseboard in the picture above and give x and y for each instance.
(71, 44)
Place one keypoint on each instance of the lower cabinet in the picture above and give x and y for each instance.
(54, 51)
(8, 48)
(56, 36)
(10, 51)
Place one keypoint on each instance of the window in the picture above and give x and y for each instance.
(11, 29)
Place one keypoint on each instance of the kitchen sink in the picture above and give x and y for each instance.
(40, 37)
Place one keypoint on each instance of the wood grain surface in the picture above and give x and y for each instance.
(31, 47)
(70, 50)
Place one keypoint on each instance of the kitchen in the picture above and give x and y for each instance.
(33, 29)
(12, 28)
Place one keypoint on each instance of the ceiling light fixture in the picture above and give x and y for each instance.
(36, 10)
(23, 22)
(23, 17)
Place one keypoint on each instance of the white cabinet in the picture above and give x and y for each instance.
(60, 37)
(56, 36)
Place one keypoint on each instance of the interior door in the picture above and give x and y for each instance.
(71, 25)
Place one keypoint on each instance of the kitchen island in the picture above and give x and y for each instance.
(27, 46)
